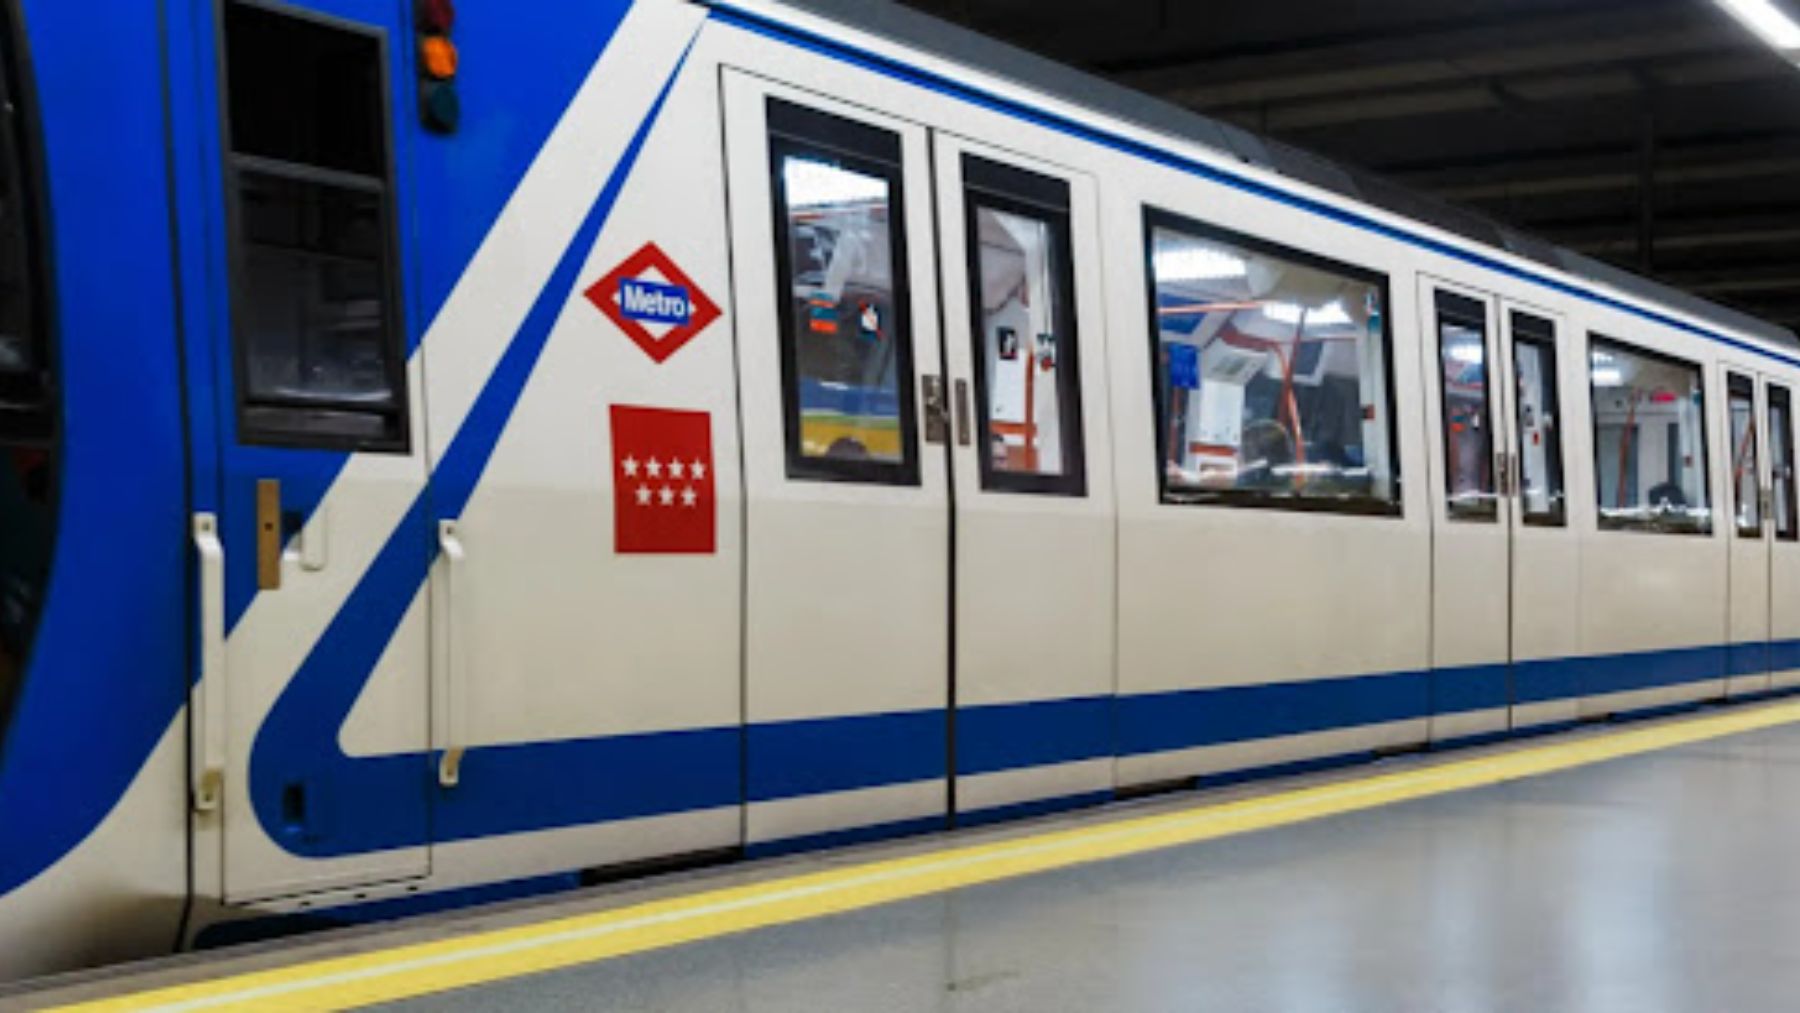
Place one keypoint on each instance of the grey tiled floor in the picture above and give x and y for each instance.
(1663, 882)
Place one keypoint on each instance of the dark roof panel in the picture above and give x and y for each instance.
(959, 45)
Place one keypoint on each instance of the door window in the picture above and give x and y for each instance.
(1746, 471)
(846, 340)
(1539, 420)
(315, 313)
(1781, 463)
(1649, 440)
(1026, 366)
(1468, 432)
(1272, 374)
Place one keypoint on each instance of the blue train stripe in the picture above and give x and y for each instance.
(729, 14)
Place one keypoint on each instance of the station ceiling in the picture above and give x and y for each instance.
(1658, 135)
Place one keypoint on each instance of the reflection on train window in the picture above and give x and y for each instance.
(1026, 371)
(1649, 440)
(315, 314)
(1539, 420)
(1746, 470)
(1272, 374)
(1468, 430)
(846, 342)
(1781, 463)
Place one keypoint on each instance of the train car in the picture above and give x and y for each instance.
(453, 453)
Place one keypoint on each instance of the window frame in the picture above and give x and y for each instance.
(33, 416)
(1474, 315)
(1008, 189)
(1606, 524)
(1734, 382)
(1545, 341)
(310, 428)
(1787, 528)
(1155, 217)
(793, 128)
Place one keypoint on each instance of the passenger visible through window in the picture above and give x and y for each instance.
(1272, 374)
(846, 343)
(316, 314)
(1649, 440)
(1539, 420)
(1781, 463)
(1746, 470)
(1467, 426)
(1026, 366)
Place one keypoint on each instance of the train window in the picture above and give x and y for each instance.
(28, 391)
(1468, 429)
(1027, 378)
(1781, 463)
(1539, 420)
(1746, 470)
(1649, 440)
(1272, 374)
(315, 309)
(846, 350)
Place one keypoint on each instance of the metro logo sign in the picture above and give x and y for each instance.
(653, 303)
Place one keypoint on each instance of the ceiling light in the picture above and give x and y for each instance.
(1198, 263)
(1776, 26)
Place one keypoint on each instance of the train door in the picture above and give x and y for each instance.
(1503, 570)
(1783, 528)
(847, 516)
(1747, 534)
(1032, 669)
(320, 466)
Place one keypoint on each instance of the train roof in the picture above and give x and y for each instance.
(892, 21)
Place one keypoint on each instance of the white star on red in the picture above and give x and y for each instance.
(655, 468)
(676, 468)
(668, 496)
(698, 470)
(631, 467)
(643, 495)
(688, 496)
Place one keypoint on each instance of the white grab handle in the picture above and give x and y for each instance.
(450, 547)
(207, 699)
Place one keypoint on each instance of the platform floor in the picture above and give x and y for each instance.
(1663, 874)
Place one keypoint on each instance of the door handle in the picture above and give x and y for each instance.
(962, 413)
(444, 666)
(207, 700)
(937, 411)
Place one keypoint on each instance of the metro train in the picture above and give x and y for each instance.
(448, 454)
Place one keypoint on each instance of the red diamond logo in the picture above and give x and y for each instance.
(653, 302)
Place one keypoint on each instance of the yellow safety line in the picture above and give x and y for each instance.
(424, 968)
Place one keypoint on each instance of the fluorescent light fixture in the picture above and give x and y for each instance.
(813, 184)
(1776, 26)
(1608, 376)
(1198, 263)
(1329, 315)
(1469, 353)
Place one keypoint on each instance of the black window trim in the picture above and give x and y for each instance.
(33, 417)
(1734, 383)
(312, 427)
(1787, 524)
(1540, 332)
(797, 129)
(1446, 306)
(1009, 189)
(1155, 217)
(1609, 524)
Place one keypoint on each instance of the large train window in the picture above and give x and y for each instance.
(1783, 502)
(1272, 372)
(320, 360)
(1468, 433)
(28, 388)
(1746, 470)
(1027, 373)
(1649, 440)
(846, 341)
(1539, 420)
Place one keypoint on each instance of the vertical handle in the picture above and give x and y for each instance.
(450, 548)
(268, 534)
(207, 700)
(962, 413)
(937, 413)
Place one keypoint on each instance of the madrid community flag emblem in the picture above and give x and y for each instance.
(663, 500)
